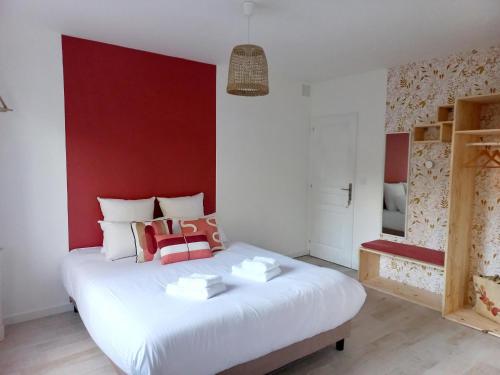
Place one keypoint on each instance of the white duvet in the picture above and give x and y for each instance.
(128, 314)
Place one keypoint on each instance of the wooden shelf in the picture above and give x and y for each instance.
(462, 192)
(445, 112)
(478, 132)
(407, 292)
(470, 318)
(483, 144)
(399, 257)
(429, 141)
(482, 99)
(442, 130)
(369, 267)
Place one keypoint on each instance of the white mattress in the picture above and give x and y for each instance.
(128, 314)
(393, 220)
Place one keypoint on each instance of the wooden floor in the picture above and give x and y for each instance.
(389, 336)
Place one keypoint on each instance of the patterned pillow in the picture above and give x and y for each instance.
(177, 247)
(144, 237)
(207, 225)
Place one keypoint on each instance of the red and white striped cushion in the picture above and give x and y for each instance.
(172, 247)
(198, 246)
(177, 247)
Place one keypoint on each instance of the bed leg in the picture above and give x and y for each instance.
(75, 309)
(339, 345)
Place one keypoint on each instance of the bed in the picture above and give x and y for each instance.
(143, 331)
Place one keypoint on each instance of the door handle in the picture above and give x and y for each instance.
(349, 189)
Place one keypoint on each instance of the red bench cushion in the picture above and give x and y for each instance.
(422, 254)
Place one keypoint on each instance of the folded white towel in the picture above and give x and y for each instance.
(256, 276)
(257, 266)
(199, 280)
(176, 290)
(272, 261)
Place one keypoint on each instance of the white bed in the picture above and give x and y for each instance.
(143, 331)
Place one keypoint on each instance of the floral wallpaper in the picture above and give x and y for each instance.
(414, 91)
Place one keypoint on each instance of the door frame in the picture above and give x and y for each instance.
(314, 119)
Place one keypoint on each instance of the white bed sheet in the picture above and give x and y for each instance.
(144, 331)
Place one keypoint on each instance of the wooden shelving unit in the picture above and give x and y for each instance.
(467, 131)
(407, 292)
(460, 125)
(478, 132)
(470, 318)
(446, 112)
(439, 132)
(369, 267)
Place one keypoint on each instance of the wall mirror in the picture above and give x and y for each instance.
(397, 151)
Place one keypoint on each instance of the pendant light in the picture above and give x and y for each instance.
(248, 74)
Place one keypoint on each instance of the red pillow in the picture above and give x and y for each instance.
(207, 225)
(177, 247)
(144, 238)
(198, 245)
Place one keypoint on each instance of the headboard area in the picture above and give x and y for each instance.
(138, 125)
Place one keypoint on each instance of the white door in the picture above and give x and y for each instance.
(332, 171)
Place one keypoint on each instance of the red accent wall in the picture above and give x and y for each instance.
(396, 157)
(138, 124)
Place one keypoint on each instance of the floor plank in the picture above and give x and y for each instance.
(389, 336)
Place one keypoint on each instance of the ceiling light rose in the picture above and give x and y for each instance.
(248, 72)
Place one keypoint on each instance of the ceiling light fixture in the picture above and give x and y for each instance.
(248, 73)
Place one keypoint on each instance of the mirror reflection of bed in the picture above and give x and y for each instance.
(395, 184)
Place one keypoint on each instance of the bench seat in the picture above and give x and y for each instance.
(419, 253)
(369, 270)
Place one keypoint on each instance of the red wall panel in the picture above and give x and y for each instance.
(138, 125)
(396, 157)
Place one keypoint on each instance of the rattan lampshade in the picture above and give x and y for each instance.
(248, 71)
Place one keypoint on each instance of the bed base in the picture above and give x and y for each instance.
(287, 355)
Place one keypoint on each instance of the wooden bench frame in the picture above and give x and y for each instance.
(369, 275)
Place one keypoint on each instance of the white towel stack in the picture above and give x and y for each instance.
(260, 269)
(197, 286)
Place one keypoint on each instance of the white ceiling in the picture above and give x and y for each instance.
(307, 40)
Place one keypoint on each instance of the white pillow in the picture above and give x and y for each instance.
(222, 235)
(393, 192)
(401, 200)
(127, 210)
(118, 240)
(182, 207)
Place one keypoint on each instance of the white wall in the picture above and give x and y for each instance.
(262, 165)
(261, 169)
(364, 94)
(262, 156)
(33, 220)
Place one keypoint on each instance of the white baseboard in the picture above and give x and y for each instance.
(300, 254)
(36, 314)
